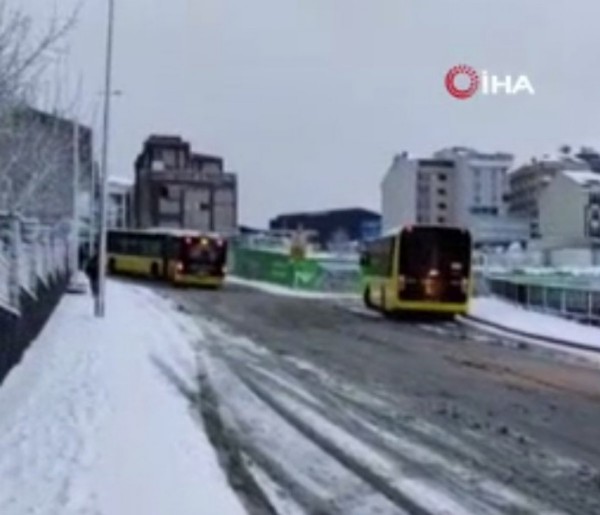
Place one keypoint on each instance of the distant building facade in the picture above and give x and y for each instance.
(456, 186)
(120, 203)
(527, 183)
(337, 226)
(570, 210)
(38, 158)
(178, 188)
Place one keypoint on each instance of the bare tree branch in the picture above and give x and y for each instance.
(34, 147)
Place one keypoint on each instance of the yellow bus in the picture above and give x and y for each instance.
(419, 269)
(177, 256)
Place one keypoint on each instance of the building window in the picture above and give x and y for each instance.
(442, 177)
(441, 192)
(170, 158)
(477, 199)
(204, 206)
(441, 220)
(442, 206)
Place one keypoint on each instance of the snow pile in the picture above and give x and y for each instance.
(93, 421)
(275, 289)
(539, 324)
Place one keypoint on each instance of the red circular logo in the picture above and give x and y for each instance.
(457, 71)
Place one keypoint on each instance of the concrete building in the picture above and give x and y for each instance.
(399, 193)
(37, 164)
(527, 183)
(591, 156)
(436, 195)
(569, 216)
(336, 226)
(120, 197)
(457, 186)
(177, 188)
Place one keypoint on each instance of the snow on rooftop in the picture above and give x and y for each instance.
(183, 233)
(584, 177)
(120, 181)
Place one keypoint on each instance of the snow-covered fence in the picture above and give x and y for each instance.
(4, 279)
(30, 256)
(566, 298)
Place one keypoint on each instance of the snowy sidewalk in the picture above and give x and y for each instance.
(91, 424)
(541, 325)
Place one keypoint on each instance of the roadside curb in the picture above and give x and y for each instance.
(525, 334)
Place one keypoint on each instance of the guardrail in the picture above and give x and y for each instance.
(575, 302)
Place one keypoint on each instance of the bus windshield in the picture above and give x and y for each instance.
(443, 251)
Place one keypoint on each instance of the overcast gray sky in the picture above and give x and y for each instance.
(308, 100)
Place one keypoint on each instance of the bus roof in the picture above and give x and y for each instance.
(397, 230)
(180, 233)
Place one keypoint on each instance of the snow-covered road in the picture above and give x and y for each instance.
(353, 414)
(93, 420)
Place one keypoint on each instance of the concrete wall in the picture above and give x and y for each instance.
(562, 210)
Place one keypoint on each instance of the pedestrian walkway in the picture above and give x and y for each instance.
(92, 421)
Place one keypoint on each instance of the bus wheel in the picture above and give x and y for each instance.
(154, 271)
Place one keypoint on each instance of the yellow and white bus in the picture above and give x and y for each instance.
(419, 269)
(178, 256)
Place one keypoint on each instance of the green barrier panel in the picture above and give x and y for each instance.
(263, 266)
(306, 274)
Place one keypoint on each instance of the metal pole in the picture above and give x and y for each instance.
(101, 299)
(92, 211)
(76, 175)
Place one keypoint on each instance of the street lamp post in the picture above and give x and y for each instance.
(101, 298)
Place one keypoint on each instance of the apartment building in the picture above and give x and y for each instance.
(399, 193)
(527, 183)
(119, 208)
(178, 188)
(569, 216)
(456, 186)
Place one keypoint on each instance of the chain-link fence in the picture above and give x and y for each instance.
(577, 302)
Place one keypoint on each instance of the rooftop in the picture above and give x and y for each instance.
(584, 177)
(327, 212)
(120, 181)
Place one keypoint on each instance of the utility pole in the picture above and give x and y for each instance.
(102, 261)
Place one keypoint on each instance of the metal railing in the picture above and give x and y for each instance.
(574, 302)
